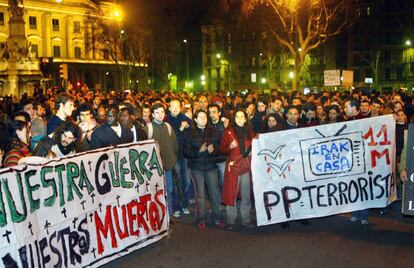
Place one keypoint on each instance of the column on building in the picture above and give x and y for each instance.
(46, 34)
(69, 37)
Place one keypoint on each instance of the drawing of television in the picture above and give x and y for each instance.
(334, 156)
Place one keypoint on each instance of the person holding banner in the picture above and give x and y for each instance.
(60, 143)
(201, 147)
(237, 143)
(19, 135)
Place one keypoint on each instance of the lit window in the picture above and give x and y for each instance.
(1, 18)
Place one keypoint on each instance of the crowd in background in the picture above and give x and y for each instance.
(205, 139)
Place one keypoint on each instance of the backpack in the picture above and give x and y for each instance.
(151, 129)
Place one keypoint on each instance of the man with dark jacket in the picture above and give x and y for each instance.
(137, 129)
(111, 133)
(180, 122)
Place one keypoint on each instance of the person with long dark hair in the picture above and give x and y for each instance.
(201, 148)
(60, 143)
(237, 143)
(19, 136)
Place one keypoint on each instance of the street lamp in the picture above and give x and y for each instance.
(187, 61)
(408, 42)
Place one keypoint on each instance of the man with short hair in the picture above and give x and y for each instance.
(126, 120)
(180, 123)
(292, 117)
(165, 136)
(27, 106)
(220, 125)
(376, 107)
(111, 133)
(87, 124)
(365, 108)
(64, 104)
(351, 109)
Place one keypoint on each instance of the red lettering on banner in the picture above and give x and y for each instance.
(382, 134)
(104, 228)
(145, 214)
(375, 154)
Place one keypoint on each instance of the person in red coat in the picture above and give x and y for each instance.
(236, 142)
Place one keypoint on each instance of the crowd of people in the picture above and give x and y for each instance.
(205, 139)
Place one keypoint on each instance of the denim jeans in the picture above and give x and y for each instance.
(184, 179)
(209, 178)
(169, 186)
(245, 206)
(221, 167)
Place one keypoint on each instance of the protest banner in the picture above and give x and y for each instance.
(408, 188)
(324, 170)
(82, 210)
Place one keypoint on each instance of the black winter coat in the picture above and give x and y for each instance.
(193, 140)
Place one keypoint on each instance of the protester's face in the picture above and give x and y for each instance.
(310, 114)
(375, 109)
(296, 102)
(319, 109)
(111, 117)
(146, 112)
(348, 109)
(23, 135)
(250, 109)
(101, 114)
(271, 122)
(396, 98)
(201, 120)
(41, 111)
(214, 114)
(277, 105)
(97, 100)
(240, 119)
(175, 107)
(261, 107)
(292, 116)
(203, 103)
(159, 114)
(365, 107)
(400, 117)
(333, 115)
(125, 118)
(397, 106)
(85, 116)
(28, 108)
(68, 107)
(67, 138)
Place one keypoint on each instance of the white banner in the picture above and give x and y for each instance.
(84, 210)
(324, 170)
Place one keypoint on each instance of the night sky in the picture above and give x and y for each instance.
(182, 17)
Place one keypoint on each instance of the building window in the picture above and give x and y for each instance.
(1, 18)
(368, 11)
(76, 27)
(32, 22)
(56, 51)
(35, 50)
(55, 24)
(77, 52)
(253, 62)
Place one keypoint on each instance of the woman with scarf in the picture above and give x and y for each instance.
(19, 135)
(237, 143)
(201, 148)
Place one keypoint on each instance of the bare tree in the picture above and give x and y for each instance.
(301, 25)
